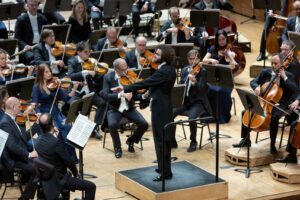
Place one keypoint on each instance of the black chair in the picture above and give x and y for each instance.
(10, 179)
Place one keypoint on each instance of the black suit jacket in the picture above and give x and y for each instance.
(53, 151)
(289, 86)
(131, 59)
(160, 85)
(16, 145)
(201, 5)
(100, 44)
(168, 40)
(290, 26)
(197, 92)
(23, 29)
(75, 73)
(91, 3)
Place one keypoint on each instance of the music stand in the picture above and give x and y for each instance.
(109, 55)
(95, 35)
(75, 107)
(21, 88)
(95, 54)
(263, 5)
(9, 45)
(205, 18)
(65, 5)
(166, 4)
(221, 76)
(181, 51)
(10, 11)
(295, 37)
(252, 105)
(61, 31)
(87, 103)
(145, 73)
(177, 91)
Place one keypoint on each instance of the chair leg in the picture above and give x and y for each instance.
(183, 130)
(104, 139)
(234, 108)
(210, 138)
(201, 135)
(5, 187)
(282, 132)
(256, 137)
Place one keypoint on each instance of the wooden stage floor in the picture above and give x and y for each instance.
(101, 162)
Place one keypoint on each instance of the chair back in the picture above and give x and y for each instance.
(44, 169)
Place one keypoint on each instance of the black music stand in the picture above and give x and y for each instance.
(221, 76)
(116, 8)
(109, 55)
(95, 35)
(263, 5)
(57, 5)
(252, 105)
(142, 73)
(87, 103)
(10, 11)
(178, 92)
(205, 18)
(61, 31)
(166, 4)
(9, 45)
(295, 37)
(21, 88)
(181, 51)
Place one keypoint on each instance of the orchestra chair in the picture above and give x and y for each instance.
(234, 106)
(10, 179)
(282, 124)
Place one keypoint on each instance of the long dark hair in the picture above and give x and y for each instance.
(40, 75)
(218, 33)
(3, 94)
(167, 54)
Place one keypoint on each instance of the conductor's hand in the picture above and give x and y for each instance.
(117, 89)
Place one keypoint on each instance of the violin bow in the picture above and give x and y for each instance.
(30, 131)
(53, 102)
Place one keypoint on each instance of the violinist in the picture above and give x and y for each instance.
(196, 103)
(43, 53)
(217, 55)
(173, 30)
(46, 99)
(91, 79)
(140, 7)
(292, 23)
(27, 30)
(122, 105)
(133, 57)
(110, 41)
(286, 81)
(3, 97)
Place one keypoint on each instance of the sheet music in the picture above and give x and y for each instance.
(81, 130)
(3, 138)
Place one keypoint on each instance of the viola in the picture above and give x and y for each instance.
(59, 49)
(120, 44)
(129, 78)
(147, 60)
(93, 65)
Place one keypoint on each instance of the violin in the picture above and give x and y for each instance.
(130, 77)
(196, 69)
(21, 118)
(119, 43)
(54, 83)
(147, 60)
(59, 49)
(6, 71)
(93, 65)
(183, 23)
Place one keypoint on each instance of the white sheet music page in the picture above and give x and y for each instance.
(3, 138)
(81, 130)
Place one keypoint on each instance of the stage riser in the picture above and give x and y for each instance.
(289, 173)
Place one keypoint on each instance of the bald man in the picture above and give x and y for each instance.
(133, 56)
(292, 23)
(122, 105)
(15, 153)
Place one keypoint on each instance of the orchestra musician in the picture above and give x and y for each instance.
(207, 4)
(109, 41)
(286, 81)
(133, 56)
(16, 154)
(292, 23)
(80, 23)
(140, 7)
(122, 105)
(51, 150)
(171, 30)
(217, 55)
(196, 103)
(27, 30)
(43, 53)
(92, 80)
(45, 98)
(3, 97)
(160, 85)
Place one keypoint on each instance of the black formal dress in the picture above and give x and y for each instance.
(24, 34)
(114, 114)
(79, 32)
(52, 150)
(160, 86)
(289, 88)
(196, 103)
(16, 155)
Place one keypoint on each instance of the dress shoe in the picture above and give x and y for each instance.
(174, 145)
(130, 145)
(261, 57)
(118, 152)
(159, 177)
(273, 150)
(192, 147)
(157, 171)
(243, 143)
(290, 158)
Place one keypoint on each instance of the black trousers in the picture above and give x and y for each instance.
(289, 147)
(29, 172)
(79, 184)
(136, 12)
(193, 111)
(268, 24)
(276, 115)
(114, 117)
